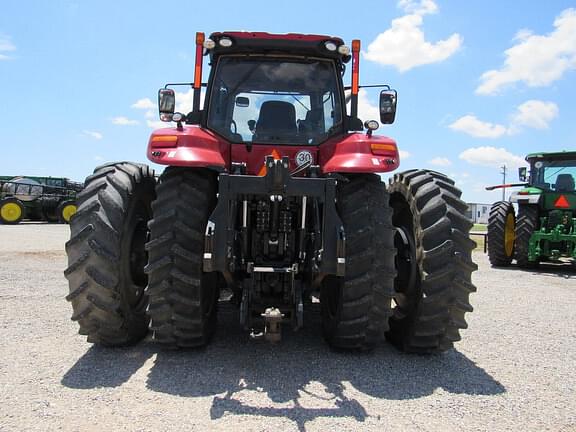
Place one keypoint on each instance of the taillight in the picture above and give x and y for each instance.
(382, 149)
(164, 141)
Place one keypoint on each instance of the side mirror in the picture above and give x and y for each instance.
(388, 100)
(166, 104)
(522, 174)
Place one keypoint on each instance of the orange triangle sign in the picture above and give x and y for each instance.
(562, 202)
(276, 156)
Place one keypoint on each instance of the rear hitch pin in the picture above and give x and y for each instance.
(272, 324)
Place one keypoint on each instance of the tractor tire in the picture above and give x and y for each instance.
(48, 208)
(356, 307)
(107, 256)
(183, 299)
(526, 224)
(434, 262)
(501, 234)
(65, 211)
(11, 211)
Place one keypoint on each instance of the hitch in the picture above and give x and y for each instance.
(272, 325)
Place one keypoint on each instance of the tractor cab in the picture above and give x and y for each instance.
(280, 96)
(553, 173)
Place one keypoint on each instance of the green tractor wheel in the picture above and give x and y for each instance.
(501, 233)
(11, 211)
(65, 211)
(528, 223)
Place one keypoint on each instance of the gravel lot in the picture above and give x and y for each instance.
(514, 369)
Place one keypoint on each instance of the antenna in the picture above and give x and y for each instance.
(503, 172)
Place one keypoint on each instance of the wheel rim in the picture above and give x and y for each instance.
(509, 235)
(138, 256)
(68, 211)
(11, 212)
(407, 270)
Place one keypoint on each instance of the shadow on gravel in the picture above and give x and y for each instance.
(106, 367)
(285, 373)
(563, 270)
(301, 373)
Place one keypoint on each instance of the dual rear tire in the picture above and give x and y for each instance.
(114, 235)
(433, 261)
(501, 234)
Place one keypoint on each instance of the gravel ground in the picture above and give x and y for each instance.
(514, 369)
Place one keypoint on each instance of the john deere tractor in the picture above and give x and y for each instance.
(544, 228)
(51, 199)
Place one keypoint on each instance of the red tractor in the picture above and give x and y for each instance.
(271, 192)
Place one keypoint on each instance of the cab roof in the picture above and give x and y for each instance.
(565, 154)
(269, 43)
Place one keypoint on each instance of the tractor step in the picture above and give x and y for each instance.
(251, 268)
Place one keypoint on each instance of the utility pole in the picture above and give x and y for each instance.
(503, 172)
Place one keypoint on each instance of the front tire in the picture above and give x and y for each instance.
(65, 211)
(501, 233)
(106, 255)
(11, 211)
(183, 299)
(356, 307)
(434, 262)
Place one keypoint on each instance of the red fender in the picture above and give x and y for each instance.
(359, 153)
(191, 146)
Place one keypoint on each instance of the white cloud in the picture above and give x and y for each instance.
(536, 60)
(461, 178)
(144, 103)
(534, 114)
(93, 134)
(367, 111)
(440, 161)
(98, 158)
(124, 121)
(404, 44)
(184, 101)
(404, 154)
(157, 124)
(491, 157)
(419, 7)
(6, 45)
(470, 125)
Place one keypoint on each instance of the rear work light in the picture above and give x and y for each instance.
(225, 42)
(344, 50)
(330, 46)
(209, 44)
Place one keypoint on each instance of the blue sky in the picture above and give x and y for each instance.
(480, 83)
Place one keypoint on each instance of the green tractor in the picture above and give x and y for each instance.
(51, 199)
(544, 228)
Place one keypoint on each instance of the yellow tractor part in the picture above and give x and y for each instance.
(11, 212)
(509, 234)
(68, 211)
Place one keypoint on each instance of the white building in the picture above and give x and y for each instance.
(478, 212)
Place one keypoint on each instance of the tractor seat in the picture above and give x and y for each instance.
(277, 120)
(564, 183)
